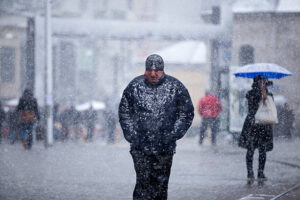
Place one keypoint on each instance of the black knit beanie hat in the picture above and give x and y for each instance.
(154, 62)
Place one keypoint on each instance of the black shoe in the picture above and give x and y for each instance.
(250, 175)
(250, 178)
(261, 177)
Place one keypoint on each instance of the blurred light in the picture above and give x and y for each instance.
(9, 36)
(89, 53)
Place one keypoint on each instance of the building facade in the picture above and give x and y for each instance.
(271, 37)
(12, 56)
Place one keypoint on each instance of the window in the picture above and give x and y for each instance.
(7, 64)
(246, 55)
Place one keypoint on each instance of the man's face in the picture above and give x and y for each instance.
(154, 76)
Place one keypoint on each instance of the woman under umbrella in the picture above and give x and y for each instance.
(256, 136)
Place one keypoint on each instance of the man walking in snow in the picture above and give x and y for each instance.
(154, 112)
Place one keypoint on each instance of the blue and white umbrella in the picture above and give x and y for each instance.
(267, 70)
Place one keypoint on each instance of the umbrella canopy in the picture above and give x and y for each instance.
(267, 70)
(96, 105)
(12, 102)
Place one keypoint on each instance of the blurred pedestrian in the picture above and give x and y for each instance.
(14, 125)
(55, 112)
(111, 123)
(70, 122)
(74, 121)
(41, 125)
(64, 121)
(2, 119)
(90, 121)
(288, 120)
(29, 113)
(57, 127)
(154, 112)
(256, 136)
(209, 107)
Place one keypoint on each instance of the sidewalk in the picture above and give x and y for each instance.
(88, 171)
(223, 169)
(285, 155)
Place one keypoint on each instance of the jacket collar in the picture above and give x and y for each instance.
(161, 80)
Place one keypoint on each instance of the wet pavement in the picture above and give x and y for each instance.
(88, 171)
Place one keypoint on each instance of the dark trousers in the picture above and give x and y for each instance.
(26, 132)
(89, 135)
(261, 159)
(152, 175)
(213, 123)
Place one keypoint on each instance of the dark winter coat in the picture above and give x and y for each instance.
(28, 104)
(154, 115)
(255, 135)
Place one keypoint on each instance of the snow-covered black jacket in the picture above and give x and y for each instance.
(154, 115)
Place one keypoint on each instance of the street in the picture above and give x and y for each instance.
(88, 171)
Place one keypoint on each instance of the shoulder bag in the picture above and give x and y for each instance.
(267, 112)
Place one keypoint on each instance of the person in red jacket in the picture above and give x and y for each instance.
(209, 108)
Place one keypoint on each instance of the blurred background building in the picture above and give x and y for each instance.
(89, 63)
(267, 31)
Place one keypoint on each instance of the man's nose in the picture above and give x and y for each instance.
(153, 73)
